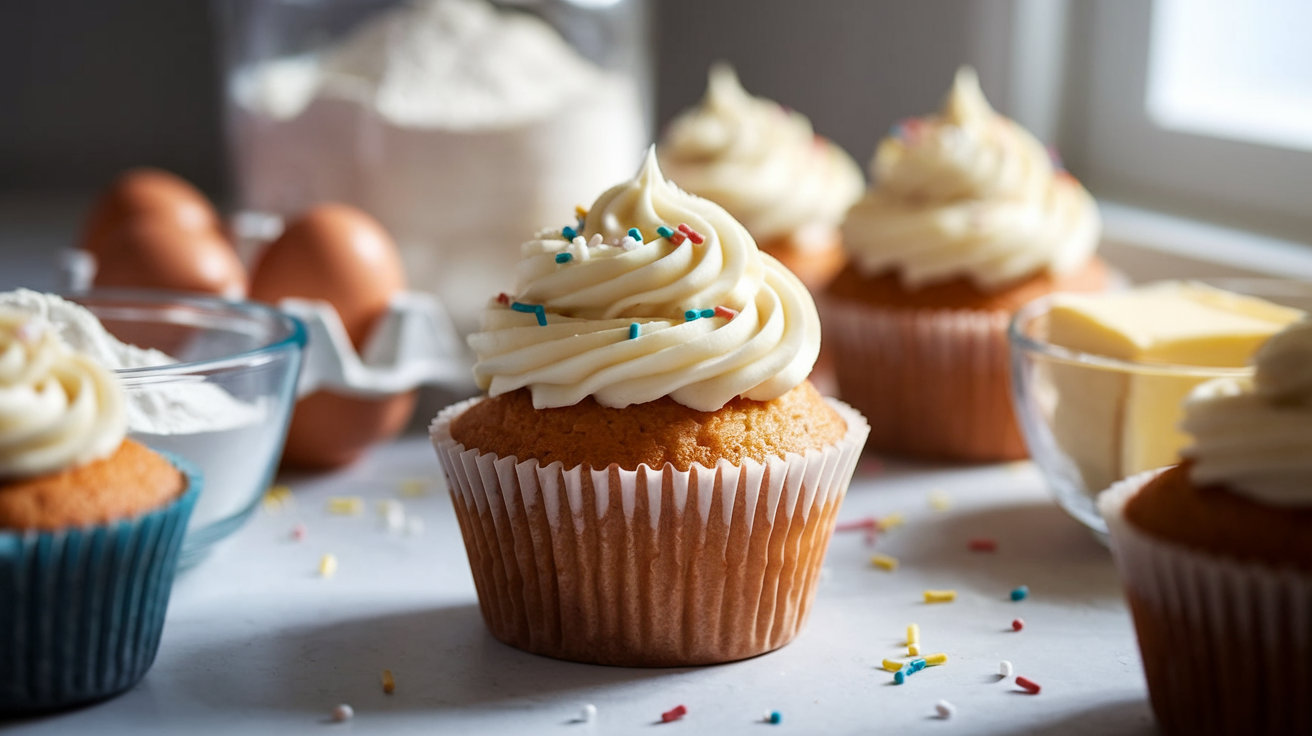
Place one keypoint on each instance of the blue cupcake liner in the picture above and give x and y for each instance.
(81, 610)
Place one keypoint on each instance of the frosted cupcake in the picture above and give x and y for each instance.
(651, 480)
(766, 166)
(1216, 554)
(966, 221)
(90, 527)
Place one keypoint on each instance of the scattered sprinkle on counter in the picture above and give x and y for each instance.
(674, 714)
(1028, 685)
(1004, 668)
(913, 639)
(298, 532)
(900, 676)
(328, 565)
(392, 514)
(346, 505)
(884, 562)
(892, 666)
(774, 717)
(892, 521)
(858, 525)
(939, 501)
(1021, 593)
(982, 544)
(940, 596)
(934, 660)
(278, 498)
(1017, 624)
(389, 682)
(588, 714)
(343, 713)
(945, 709)
(413, 487)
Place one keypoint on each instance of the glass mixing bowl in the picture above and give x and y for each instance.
(1080, 412)
(224, 405)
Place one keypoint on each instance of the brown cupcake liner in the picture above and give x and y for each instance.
(653, 567)
(1226, 645)
(933, 383)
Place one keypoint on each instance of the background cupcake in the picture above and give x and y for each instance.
(651, 481)
(764, 164)
(90, 527)
(967, 220)
(1216, 554)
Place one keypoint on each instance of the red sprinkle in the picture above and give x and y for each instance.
(983, 544)
(868, 523)
(678, 238)
(679, 712)
(503, 298)
(1017, 624)
(724, 312)
(1030, 686)
(298, 532)
(693, 235)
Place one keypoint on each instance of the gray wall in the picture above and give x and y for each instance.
(93, 86)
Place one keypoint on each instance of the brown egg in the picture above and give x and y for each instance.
(148, 194)
(343, 256)
(157, 253)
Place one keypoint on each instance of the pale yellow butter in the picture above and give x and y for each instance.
(1115, 423)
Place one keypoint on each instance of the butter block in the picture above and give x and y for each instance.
(1115, 423)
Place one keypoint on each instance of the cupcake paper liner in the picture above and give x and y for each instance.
(1226, 644)
(81, 610)
(653, 567)
(933, 383)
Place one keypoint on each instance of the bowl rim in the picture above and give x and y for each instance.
(295, 337)
(1022, 341)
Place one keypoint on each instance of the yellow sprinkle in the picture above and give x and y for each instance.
(277, 498)
(913, 650)
(891, 521)
(346, 505)
(913, 634)
(940, 596)
(328, 565)
(414, 487)
(931, 659)
(892, 666)
(884, 562)
(939, 500)
(578, 210)
(389, 684)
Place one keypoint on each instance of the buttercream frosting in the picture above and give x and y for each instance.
(760, 161)
(969, 193)
(58, 408)
(629, 320)
(1254, 436)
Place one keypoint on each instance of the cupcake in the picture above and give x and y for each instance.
(1216, 554)
(650, 481)
(967, 220)
(763, 163)
(90, 527)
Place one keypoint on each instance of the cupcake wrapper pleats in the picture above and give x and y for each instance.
(81, 610)
(653, 567)
(1226, 645)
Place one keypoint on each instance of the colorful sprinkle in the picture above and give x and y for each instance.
(636, 234)
(588, 714)
(706, 313)
(982, 544)
(934, 660)
(1017, 624)
(664, 232)
(564, 257)
(693, 235)
(389, 683)
(536, 309)
(916, 665)
(579, 211)
(725, 312)
(635, 330)
(674, 714)
(413, 487)
(859, 525)
(940, 596)
(940, 501)
(691, 315)
(900, 676)
(913, 639)
(892, 521)
(1021, 593)
(343, 713)
(298, 532)
(346, 505)
(774, 717)
(1004, 668)
(945, 709)
(884, 562)
(892, 666)
(569, 232)
(678, 238)
(913, 650)
(1028, 685)
(328, 565)
(503, 298)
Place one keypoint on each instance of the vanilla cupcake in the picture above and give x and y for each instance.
(90, 527)
(764, 164)
(966, 221)
(1216, 554)
(651, 480)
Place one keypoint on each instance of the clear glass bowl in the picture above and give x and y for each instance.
(1073, 407)
(224, 406)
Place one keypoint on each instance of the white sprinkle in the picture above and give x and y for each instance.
(595, 241)
(579, 249)
(945, 709)
(414, 526)
(628, 243)
(392, 514)
(1004, 668)
(588, 714)
(343, 713)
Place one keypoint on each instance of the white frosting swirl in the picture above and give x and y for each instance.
(1255, 436)
(58, 408)
(761, 162)
(969, 193)
(611, 283)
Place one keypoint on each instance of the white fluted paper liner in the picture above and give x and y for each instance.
(653, 567)
(1226, 644)
(934, 382)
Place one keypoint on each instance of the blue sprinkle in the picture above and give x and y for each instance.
(1021, 593)
(564, 257)
(536, 309)
(707, 313)
(664, 232)
(636, 234)
(776, 717)
(916, 665)
(691, 315)
(569, 232)
(634, 330)
(899, 677)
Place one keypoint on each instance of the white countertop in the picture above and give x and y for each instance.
(257, 642)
